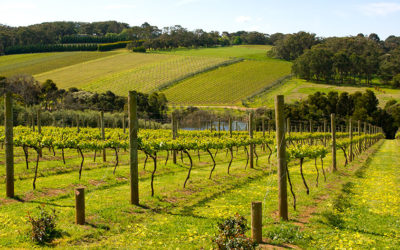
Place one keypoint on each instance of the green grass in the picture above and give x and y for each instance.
(227, 85)
(365, 213)
(175, 217)
(129, 71)
(37, 63)
(256, 52)
(298, 89)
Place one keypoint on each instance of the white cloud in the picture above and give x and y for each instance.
(243, 19)
(380, 9)
(119, 6)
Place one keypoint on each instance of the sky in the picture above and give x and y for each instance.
(322, 17)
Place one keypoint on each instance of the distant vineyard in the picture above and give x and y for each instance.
(128, 71)
(228, 85)
(81, 74)
(33, 64)
(149, 77)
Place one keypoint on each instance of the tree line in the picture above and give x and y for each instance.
(28, 92)
(113, 31)
(354, 59)
(358, 106)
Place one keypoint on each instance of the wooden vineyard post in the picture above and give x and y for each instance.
(281, 157)
(9, 145)
(365, 132)
(39, 122)
(133, 146)
(351, 143)
(251, 137)
(230, 126)
(333, 131)
(369, 132)
(39, 127)
(78, 124)
(359, 134)
(103, 135)
(324, 133)
(256, 221)
(288, 126)
(173, 123)
(80, 206)
(263, 126)
(33, 119)
(124, 123)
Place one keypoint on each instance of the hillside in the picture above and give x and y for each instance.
(128, 71)
(206, 76)
(228, 85)
(37, 63)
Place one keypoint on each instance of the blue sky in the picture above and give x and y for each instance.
(323, 17)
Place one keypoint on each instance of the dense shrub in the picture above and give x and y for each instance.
(139, 49)
(396, 81)
(231, 234)
(111, 46)
(37, 48)
(43, 225)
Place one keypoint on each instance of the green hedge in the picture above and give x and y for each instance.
(92, 39)
(37, 48)
(111, 46)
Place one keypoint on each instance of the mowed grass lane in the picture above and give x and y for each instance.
(366, 213)
(128, 71)
(36, 63)
(228, 85)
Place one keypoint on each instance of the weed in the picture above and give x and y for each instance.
(43, 225)
(232, 234)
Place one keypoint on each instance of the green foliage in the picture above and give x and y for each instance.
(111, 46)
(92, 39)
(343, 59)
(23, 49)
(140, 49)
(231, 234)
(396, 81)
(43, 225)
(293, 45)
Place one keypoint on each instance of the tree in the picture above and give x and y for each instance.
(26, 88)
(49, 93)
(341, 65)
(396, 81)
(293, 45)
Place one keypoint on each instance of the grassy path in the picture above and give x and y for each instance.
(365, 213)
